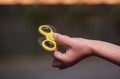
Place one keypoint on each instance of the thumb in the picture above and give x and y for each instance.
(62, 39)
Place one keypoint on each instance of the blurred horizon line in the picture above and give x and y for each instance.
(53, 2)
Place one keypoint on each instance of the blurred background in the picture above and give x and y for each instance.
(21, 57)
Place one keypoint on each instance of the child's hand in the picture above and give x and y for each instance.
(79, 48)
(76, 49)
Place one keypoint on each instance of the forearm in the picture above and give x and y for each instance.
(106, 50)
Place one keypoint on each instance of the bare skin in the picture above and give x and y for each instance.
(79, 48)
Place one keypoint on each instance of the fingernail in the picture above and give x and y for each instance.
(55, 34)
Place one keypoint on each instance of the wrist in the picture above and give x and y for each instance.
(96, 47)
(91, 46)
(88, 47)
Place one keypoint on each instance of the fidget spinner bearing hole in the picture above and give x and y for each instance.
(49, 44)
(46, 29)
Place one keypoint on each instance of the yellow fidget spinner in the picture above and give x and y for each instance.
(47, 42)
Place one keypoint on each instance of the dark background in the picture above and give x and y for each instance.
(21, 57)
